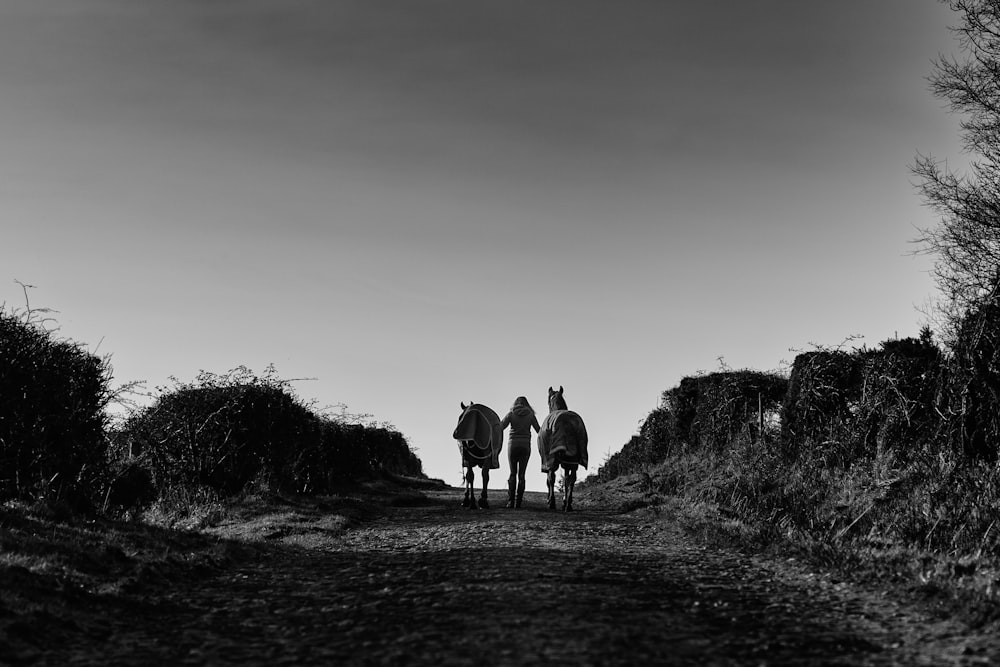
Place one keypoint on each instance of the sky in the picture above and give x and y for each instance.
(406, 205)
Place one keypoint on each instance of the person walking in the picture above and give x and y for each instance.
(521, 420)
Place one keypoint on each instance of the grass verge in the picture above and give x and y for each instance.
(57, 569)
(699, 494)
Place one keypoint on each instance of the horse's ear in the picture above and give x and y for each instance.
(560, 389)
(463, 405)
(550, 391)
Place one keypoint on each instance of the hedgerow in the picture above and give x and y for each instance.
(221, 432)
(53, 395)
(712, 410)
(225, 432)
(844, 406)
(212, 437)
(973, 388)
(896, 444)
(703, 412)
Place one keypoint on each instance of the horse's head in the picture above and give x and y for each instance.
(556, 400)
(467, 423)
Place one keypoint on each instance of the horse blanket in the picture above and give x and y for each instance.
(562, 439)
(479, 437)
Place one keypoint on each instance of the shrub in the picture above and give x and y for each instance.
(974, 384)
(53, 396)
(702, 412)
(221, 432)
(390, 452)
(630, 459)
(823, 389)
(899, 408)
(844, 406)
(710, 411)
(865, 455)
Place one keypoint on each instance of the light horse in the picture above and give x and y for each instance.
(480, 440)
(562, 441)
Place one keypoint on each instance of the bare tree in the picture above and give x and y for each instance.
(967, 239)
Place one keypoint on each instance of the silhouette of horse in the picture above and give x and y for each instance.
(480, 440)
(562, 441)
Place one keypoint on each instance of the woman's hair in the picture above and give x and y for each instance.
(521, 401)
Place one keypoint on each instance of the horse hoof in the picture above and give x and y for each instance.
(484, 504)
(552, 504)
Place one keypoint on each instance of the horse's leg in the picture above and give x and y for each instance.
(568, 481)
(470, 494)
(485, 504)
(551, 481)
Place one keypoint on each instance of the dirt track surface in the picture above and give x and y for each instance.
(435, 584)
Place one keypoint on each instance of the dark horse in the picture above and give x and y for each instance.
(562, 441)
(480, 440)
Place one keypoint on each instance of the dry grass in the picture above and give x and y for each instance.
(846, 538)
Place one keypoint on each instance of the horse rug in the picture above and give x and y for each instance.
(562, 439)
(479, 437)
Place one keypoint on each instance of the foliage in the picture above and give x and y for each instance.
(843, 406)
(212, 437)
(899, 411)
(863, 453)
(710, 411)
(349, 451)
(220, 432)
(702, 412)
(865, 457)
(53, 395)
(973, 388)
(629, 459)
(224, 432)
(823, 389)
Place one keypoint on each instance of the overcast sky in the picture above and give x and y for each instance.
(424, 202)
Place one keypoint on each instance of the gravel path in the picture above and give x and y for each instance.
(438, 585)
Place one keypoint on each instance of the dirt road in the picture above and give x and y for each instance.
(433, 584)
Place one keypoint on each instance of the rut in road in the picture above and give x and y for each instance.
(438, 585)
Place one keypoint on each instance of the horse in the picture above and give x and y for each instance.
(480, 440)
(562, 442)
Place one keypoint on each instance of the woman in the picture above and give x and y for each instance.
(521, 420)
